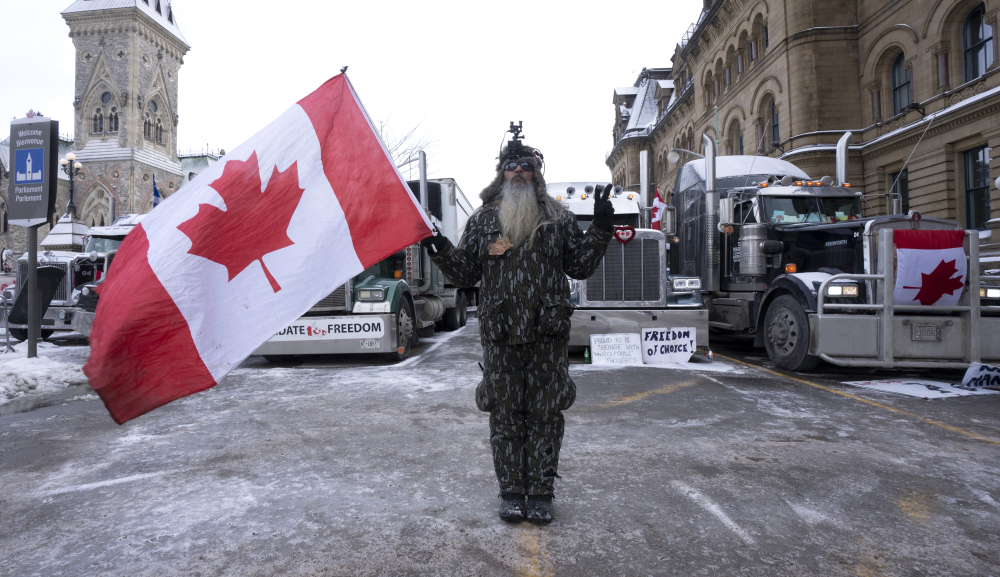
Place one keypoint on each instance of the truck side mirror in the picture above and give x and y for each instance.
(725, 212)
(668, 221)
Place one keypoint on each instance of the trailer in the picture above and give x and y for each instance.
(632, 288)
(794, 263)
(385, 309)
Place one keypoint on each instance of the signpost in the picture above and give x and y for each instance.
(32, 193)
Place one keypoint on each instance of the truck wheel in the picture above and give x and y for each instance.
(406, 331)
(463, 309)
(19, 334)
(453, 317)
(786, 335)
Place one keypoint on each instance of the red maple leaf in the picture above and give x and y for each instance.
(254, 223)
(935, 285)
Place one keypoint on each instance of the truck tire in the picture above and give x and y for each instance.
(786, 335)
(406, 330)
(19, 334)
(453, 316)
(464, 310)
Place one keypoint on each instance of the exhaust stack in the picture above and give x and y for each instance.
(712, 272)
(646, 210)
(842, 158)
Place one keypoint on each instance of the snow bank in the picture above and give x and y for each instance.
(21, 376)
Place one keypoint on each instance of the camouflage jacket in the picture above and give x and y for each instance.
(524, 295)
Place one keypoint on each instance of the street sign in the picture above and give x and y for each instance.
(34, 146)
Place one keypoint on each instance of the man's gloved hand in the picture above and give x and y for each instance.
(604, 213)
(436, 244)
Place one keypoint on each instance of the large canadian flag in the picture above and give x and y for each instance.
(657, 214)
(931, 267)
(245, 248)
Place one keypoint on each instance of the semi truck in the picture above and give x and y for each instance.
(632, 288)
(385, 309)
(793, 262)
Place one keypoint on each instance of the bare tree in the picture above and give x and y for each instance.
(403, 145)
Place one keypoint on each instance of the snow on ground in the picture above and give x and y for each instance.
(21, 376)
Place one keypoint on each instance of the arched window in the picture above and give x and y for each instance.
(147, 128)
(775, 132)
(4, 226)
(159, 131)
(102, 220)
(98, 122)
(977, 43)
(735, 143)
(113, 120)
(900, 85)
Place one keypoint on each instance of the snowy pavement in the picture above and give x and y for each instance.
(341, 466)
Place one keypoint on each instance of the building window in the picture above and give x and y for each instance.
(900, 186)
(98, 122)
(977, 187)
(739, 64)
(147, 128)
(767, 40)
(900, 85)
(159, 131)
(977, 42)
(775, 132)
(753, 51)
(739, 139)
(113, 120)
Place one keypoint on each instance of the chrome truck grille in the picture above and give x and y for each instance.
(62, 294)
(335, 301)
(630, 275)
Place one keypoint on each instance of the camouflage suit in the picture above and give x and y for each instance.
(524, 312)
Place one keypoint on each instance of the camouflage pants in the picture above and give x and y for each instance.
(525, 388)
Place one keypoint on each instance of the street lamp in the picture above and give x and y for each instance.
(71, 169)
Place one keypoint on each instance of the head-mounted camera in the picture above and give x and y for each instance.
(517, 149)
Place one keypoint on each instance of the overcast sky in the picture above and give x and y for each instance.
(462, 70)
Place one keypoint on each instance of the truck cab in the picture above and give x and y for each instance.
(633, 287)
(793, 262)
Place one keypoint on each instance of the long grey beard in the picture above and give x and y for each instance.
(519, 215)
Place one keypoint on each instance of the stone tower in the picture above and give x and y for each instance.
(128, 57)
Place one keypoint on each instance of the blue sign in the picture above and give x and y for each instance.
(28, 163)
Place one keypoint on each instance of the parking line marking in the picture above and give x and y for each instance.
(714, 509)
(640, 396)
(945, 426)
(532, 539)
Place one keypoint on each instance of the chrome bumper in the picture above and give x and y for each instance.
(586, 322)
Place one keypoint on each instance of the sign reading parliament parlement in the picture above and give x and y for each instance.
(33, 151)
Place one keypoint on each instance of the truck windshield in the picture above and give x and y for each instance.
(102, 244)
(792, 210)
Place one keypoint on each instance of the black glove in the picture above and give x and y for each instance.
(604, 213)
(437, 243)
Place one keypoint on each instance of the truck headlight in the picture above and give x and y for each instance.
(991, 293)
(687, 284)
(842, 290)
(371, 294)
(75, 298)
(86, 291)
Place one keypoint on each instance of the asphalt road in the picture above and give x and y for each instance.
(338, 467)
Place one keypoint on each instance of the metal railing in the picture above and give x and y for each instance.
(887, 309)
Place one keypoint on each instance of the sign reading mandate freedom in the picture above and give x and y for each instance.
(33, 151)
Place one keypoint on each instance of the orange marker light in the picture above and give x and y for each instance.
(583, 197)
(397, 274)
(729, 229)
(763, 185)
(630, 197)
(798, 183)
(791, 268)
(847, 184)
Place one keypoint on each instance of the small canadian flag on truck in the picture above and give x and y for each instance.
(931, 267)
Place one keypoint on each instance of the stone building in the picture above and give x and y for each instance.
(128, 59)
(786, 78)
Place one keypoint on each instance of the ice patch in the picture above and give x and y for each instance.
(21, 376)
(708, 367)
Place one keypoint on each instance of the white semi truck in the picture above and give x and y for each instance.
(633, 287)
(793, 262)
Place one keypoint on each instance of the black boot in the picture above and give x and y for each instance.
(539, 508)
(512, 506)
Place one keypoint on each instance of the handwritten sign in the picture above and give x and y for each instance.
(980, 375)
(668, 345)
(615, 349)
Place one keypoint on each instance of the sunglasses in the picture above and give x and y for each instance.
(525, 166)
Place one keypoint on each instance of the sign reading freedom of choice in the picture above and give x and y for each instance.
(653, 346)
(32, 179)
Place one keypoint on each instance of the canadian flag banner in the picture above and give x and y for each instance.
(931, 267)
(245, 248)
(658, 206)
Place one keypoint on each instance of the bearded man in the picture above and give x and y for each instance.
(521, 245)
